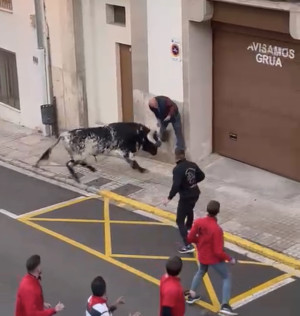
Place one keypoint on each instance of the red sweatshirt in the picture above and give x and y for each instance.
(30, 301)
(208, 237)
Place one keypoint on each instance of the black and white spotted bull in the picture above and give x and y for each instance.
(124, 138)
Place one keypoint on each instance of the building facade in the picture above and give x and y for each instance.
(235, 79)
(23, 86)
(232, 66)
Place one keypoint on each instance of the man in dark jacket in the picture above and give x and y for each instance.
(208, 237)
(186, 176)
(166, 111)
(30, 300)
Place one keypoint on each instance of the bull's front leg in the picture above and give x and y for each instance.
(133, 163)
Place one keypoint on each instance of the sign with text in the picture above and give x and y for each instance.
(271, 55)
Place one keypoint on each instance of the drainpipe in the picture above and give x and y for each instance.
(43, 41)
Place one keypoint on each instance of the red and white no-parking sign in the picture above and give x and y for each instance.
(175, 50)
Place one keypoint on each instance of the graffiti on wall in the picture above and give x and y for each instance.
(271, 55)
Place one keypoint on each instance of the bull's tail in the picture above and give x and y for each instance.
(47, 153)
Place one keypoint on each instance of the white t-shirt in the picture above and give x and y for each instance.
(98, 309)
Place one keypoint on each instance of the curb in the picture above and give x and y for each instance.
(233, 239)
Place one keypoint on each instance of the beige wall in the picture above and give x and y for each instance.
(59, 15)
(102, 60)
(18, 35)
(154, 71)
(197, 77)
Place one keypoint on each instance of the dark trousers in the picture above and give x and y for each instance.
(185, 215)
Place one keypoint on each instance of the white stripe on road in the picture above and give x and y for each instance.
(44, 178)
(9, 214)
(262, 293)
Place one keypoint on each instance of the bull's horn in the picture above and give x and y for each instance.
(150, 136)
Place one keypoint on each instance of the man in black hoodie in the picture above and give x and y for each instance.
(186, 176)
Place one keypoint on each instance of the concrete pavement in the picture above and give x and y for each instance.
(256, 205)
(79, 237)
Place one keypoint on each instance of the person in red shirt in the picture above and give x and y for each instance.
(208, 237)
(172, 301)
(30, 300)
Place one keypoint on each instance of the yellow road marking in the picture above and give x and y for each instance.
(82, 220)
(67, 220)
(27, 219)
(107, 234)
(258, 288)
(243, 243)
(56, 207)
(138, 205)
(149, 257)
(211, 291)
(208, 285)
(121, 204)
(102, 256)
(139, 223)
(254, 263)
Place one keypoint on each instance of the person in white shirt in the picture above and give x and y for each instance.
(97, 303)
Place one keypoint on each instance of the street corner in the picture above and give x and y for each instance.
(110, 229)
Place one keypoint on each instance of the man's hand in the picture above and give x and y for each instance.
(233, 261)
(167, 118)
(59, 307)
(186, 292)
(166, 202)
(120, 301)
(47, 305)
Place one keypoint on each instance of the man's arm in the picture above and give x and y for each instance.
(176, 183)
(200, 175)
(192, 236)
(171, 107)
(168, 302)
(155, 111)
(218, 246)
(166, 311)
(29, 300)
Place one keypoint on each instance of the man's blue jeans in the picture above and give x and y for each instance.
(222, 270)
(176, 122)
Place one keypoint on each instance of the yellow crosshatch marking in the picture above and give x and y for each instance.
(109, 256)
(101, 221)
(107, 233)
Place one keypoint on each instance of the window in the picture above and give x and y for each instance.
(6, 4)
(9, 88)
(115, 14)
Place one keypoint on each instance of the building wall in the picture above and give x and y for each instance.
(22, 40)
(154, 70)
(197, 77)
(102, 60)
(66, 88)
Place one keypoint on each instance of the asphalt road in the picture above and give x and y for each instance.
(77, 243)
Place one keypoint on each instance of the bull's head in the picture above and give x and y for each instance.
(151, 142)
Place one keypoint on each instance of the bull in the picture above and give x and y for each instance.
(124, 138)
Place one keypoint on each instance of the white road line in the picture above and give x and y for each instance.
(9, 214)
(262, 293)
(45, 179)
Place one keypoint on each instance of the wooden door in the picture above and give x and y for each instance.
(126, 83)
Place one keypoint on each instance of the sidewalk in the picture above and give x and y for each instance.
(256, 205)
